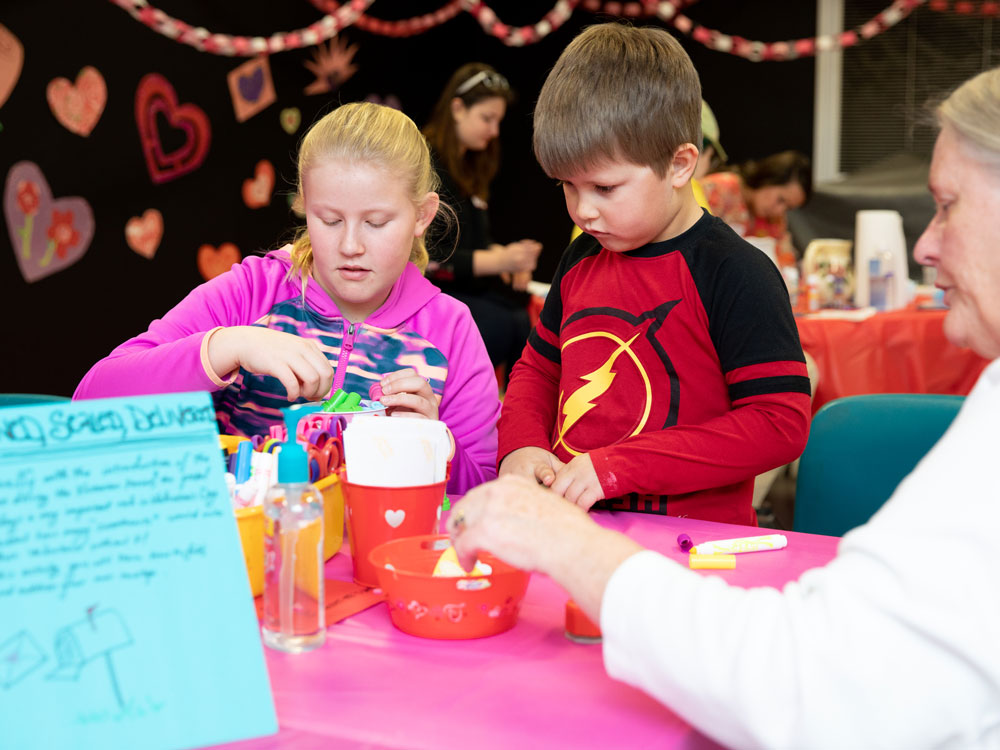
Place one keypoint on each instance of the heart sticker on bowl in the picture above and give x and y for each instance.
(395, 518)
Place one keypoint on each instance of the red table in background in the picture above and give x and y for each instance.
(373, 686)
(903, 351)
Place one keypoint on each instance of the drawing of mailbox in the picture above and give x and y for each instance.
(97, 635)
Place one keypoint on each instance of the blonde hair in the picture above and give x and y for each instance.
(364, 132)
(617, 92)
(973, 111)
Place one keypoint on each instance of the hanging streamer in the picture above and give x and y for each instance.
(243, 46)
(341, 15)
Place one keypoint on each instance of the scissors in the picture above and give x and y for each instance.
(324, 454)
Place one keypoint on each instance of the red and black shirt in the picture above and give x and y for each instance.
(676, 366)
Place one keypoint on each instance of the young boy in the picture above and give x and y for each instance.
(665, 371)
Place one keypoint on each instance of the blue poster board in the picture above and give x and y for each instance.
(126, 618)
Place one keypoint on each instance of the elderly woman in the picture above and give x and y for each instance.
(894, 643)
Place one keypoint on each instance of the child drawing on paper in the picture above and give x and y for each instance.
(344, 306)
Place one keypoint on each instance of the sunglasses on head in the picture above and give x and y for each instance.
(488, 79)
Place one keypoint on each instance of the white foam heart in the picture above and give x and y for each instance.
(395, 517)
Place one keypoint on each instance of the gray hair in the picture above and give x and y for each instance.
(973, 112)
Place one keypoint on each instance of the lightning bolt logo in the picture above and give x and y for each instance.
(582, 400)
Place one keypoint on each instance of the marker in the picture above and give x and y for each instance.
(375, 392)
(742, 544)
(715, 562)
(244, 454)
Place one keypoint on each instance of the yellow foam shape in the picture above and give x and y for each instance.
(447, 566)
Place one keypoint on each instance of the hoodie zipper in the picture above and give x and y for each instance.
(346, 346)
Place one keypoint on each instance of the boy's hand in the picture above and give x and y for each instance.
(298, 363)
(406, 394)
(533, 463)
(577, 481)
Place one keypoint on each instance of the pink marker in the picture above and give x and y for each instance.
(375, 392)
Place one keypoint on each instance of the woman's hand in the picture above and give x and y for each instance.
(298, 363)
(517, 257)
(406, 394)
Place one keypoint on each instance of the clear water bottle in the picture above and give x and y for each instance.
(294, 605)
(880, 283)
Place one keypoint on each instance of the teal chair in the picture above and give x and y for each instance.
(859, 449)
(26, 399)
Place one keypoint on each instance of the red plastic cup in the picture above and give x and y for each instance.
(380, 514)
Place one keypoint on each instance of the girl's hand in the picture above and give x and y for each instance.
(406, 394)
(298, 363)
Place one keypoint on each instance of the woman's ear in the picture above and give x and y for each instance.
(457, 107)
(426, 211)
(683, 166)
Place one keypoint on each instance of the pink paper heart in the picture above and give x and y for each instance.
(11, 60)
(78, 106)
(257, 191)
(47, 235)
(155, 96)
(143, 233)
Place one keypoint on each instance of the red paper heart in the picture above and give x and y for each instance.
(257, 192)
(47, 235)
(143, 233)
(78, 106)
(212, 261)
(155, 96)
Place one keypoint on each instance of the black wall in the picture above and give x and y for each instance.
(56, 327)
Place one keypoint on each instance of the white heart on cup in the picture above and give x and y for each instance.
(395, 517)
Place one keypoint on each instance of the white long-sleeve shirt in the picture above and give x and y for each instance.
(894, 644)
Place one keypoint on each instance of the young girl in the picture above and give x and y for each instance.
(344, 306)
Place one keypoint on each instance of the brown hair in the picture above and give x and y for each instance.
(617, 92)
(778, 169)
(473, 171)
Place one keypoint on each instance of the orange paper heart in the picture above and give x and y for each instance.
(257, 192)
(78, 106)
(143, 233)
(214, 261)
(11, 60)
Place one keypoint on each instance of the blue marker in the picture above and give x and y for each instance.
(244, 452)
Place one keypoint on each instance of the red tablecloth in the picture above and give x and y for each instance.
(903, 351)
(373, 686)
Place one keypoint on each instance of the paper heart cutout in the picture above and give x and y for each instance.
(291, 118)
(257, 191)
(143, 233)
(78, 106)
(395, 518)
(47, 235)
(212, 261)
(155, 96)
(11, 62)
(251, 84)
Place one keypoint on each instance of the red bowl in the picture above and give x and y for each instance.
(446, 607)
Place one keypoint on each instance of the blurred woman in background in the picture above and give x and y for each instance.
(754, 199)
(489, 277)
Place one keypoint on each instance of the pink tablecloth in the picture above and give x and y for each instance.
(373, 686)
